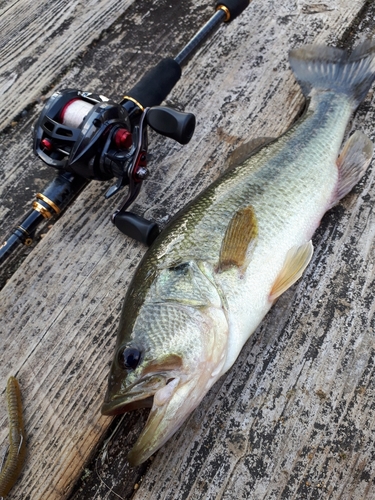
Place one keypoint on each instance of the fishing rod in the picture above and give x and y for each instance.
(86, 136)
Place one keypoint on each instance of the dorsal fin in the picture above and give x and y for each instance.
(296, 261)
(242, 230)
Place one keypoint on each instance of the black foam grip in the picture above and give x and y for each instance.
(235, 7)
(157, 83)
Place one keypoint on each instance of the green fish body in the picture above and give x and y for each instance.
(211, 276)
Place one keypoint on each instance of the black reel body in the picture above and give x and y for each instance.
(95, 138)
(73, 129)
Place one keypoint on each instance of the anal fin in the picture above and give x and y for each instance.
(352, 163)
(296, 261)
(241, 232)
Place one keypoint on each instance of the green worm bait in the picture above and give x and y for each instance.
(17, 441)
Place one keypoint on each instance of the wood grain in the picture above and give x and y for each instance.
(40, 40)
(293, 418)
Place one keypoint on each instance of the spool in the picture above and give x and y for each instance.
(74, 112)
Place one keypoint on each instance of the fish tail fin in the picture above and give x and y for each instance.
(323, 68)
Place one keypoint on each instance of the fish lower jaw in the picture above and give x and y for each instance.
(170, 409)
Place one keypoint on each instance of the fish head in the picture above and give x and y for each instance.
(168, 361)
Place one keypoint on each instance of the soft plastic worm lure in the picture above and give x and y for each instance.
(17, 442)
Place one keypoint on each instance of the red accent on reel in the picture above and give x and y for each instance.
(46, 144)
(123, 138)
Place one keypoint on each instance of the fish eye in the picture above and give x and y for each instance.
(129, 357)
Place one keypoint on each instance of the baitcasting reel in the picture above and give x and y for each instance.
(91, 136)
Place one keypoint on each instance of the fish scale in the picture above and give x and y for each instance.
(243, 186)
(211, 276)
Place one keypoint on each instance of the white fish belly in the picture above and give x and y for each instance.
(288, 212)
(247, 294)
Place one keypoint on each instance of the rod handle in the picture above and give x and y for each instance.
(57, 196)
(156, 84)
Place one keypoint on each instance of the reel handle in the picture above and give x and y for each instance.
(171, 123)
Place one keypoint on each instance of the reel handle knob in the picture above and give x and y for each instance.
(136, 227)
(171, 123)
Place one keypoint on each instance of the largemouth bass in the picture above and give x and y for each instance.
(211, 276)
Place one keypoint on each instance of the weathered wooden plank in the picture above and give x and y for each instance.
(40, 40)
(293, 418)
(114, 68)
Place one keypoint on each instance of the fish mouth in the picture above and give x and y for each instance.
(171, 401)
(138, 395)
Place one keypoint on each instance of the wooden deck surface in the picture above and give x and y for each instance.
(295, 416)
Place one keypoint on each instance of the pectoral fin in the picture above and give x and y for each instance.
(241, 232)
(352, 163)
(295, 263)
